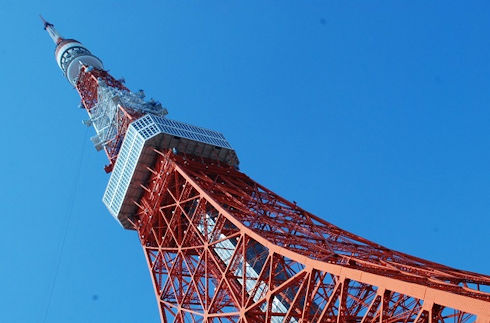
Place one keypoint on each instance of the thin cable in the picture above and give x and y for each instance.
(66, 227)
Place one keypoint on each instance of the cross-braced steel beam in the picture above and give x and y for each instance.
(223, 248)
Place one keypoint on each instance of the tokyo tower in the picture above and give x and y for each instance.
(221, 247)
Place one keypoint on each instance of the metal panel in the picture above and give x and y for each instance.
(136, 154)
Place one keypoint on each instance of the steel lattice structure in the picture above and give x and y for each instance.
(222, 248)
(220, 245)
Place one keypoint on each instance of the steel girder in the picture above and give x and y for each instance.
(222, 248)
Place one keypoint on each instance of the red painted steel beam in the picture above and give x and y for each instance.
(219, 245)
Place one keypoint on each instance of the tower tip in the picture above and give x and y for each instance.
(46, 24)
(49, 27)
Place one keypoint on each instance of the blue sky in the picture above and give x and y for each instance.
(372, 115)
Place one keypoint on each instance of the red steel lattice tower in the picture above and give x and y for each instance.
(222, 248)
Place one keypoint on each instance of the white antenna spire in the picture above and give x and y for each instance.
(49, 27)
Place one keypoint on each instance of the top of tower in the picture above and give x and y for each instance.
(49, 27)
(70, 54)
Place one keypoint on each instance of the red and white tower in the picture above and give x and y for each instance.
(222, 248)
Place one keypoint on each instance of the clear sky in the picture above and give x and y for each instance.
(373, 115)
